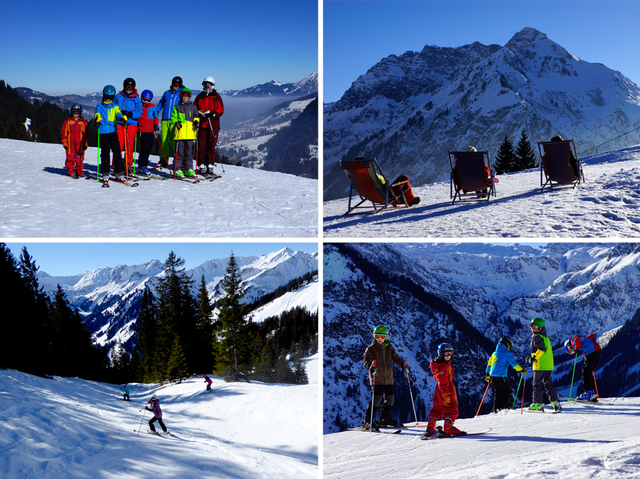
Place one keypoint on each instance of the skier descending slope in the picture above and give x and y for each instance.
(445, 398)
(157, 415)
(378, 359)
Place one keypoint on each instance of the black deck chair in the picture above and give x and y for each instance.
(469, 175)
(555, 164)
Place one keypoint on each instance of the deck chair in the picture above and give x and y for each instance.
(363, 175)
(555, 166)
(469, 175)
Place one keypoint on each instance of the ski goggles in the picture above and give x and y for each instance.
(535, 328)
(447, 353)
(207, 84)
(146, 100)
(380, 336)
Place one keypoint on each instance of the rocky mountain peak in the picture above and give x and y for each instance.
(525, 38)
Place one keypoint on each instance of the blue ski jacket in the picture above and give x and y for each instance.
(110, 114)
(130, 103)
(169, 99)
(500, 361)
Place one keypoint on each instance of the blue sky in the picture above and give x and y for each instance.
(66, 259)
(81, 46)
(358, 34)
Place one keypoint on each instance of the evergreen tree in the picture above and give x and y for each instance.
(205, 344)
(505, 158)
(46, 135)
(234, 356)
(284, 374)
(147, 339)
(525, 157)
(177, 368)
(300, 371)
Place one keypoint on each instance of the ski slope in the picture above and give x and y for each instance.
(65, 427)
(606, 205)
(581, 442)
(39, 200)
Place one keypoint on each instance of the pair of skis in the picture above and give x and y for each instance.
(437, 435)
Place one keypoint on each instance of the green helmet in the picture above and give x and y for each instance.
(537, 322)
(380, 330)
(185, 90)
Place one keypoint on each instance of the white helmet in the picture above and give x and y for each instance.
(209, 80)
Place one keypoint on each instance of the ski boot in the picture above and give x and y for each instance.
(536, 407)
(431, 429)
(145, 171)
(367, 418)
(179, 174)
(556, 406)
(586, 396)
(450, 429)
(202, 169)
(385, 417)
(189, 173)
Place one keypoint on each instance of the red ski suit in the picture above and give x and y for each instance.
(209, 125)
(445, 398)
(74, 140)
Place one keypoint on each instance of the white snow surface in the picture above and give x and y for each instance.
(605, 205)
(304, 297)
(66, 427)
(40, 201)
(582, 441)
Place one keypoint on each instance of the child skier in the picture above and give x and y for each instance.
(107, 115)
(383, 355)
(208, 381)
(445, 398)
(592, 351)
(157, 414)
(74, 140)
(185, 120)
(169, 99)
(130, 106)
(147, 125)
(125, 391)
(542, 359)
(210, 108)
(497, 367)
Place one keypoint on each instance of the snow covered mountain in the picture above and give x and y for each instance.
(470, 295)
(408, 111)
(88, 102)
(109, 299)
(306, 86)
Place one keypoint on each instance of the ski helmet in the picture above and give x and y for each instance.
(77, 108)
(147, 95)
(209, 80)
(507, 341)
(537, 322)
(176, 81)
(153, 398)
(109, 92)
(129, 81)
(380, 330)
(444, 347)
(185, 90)
(568, 347)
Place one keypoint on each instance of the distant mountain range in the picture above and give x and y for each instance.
(108, 299)
(408, 111)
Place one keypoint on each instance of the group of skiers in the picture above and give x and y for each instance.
(122, 116)
(380, 356)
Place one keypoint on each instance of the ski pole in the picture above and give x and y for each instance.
(517, 391)
(410, 392)
(140, 427)
(485, 393)
(161, 149)
(373, 393)
(125, 132)
(524, 386)
(595, 383)
(575, 359)
(135, 150)
(98, 161)
(213, 153)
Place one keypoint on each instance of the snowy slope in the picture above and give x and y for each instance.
(580, 442)
(68, 427)
(40, 201)
(606, 205)
(304, 297)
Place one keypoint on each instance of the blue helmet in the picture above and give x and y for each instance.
(444, 347)
(75, 107)
(109, 91)
(147, 94)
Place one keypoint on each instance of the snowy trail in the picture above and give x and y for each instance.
(605, 206)
(40, 201)
(68, 427)
(582, 441)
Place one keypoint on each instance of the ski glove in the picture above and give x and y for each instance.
(98, 117)
(195, 125)
(488, 378)
(178, 125)
(156, 128)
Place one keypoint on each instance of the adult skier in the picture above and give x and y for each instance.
(497, 368)
(445, 397)
(157, 414)
(542, 359)
(378, 359)
(210, 108)
(592, 351)
(74, 139)
(130, 105)
(169, 99)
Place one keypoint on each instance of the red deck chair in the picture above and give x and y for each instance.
(469, 173)
(363, 175)
(556, 164)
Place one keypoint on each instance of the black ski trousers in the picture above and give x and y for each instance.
(502, 393)
(588, 366)
(159, 419)
(146, 143)
(109, 144)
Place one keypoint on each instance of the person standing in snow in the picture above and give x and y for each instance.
(125, 391)
(542, 359)
(184, 121)
(445, 397)
(74, 139)
(383, 355)
(208, 381)
(592, 351)
(497, 368)
(130, 105)
(107, 117)
(210, 108)
(169, 99)
(157, 414)
(147, 126)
